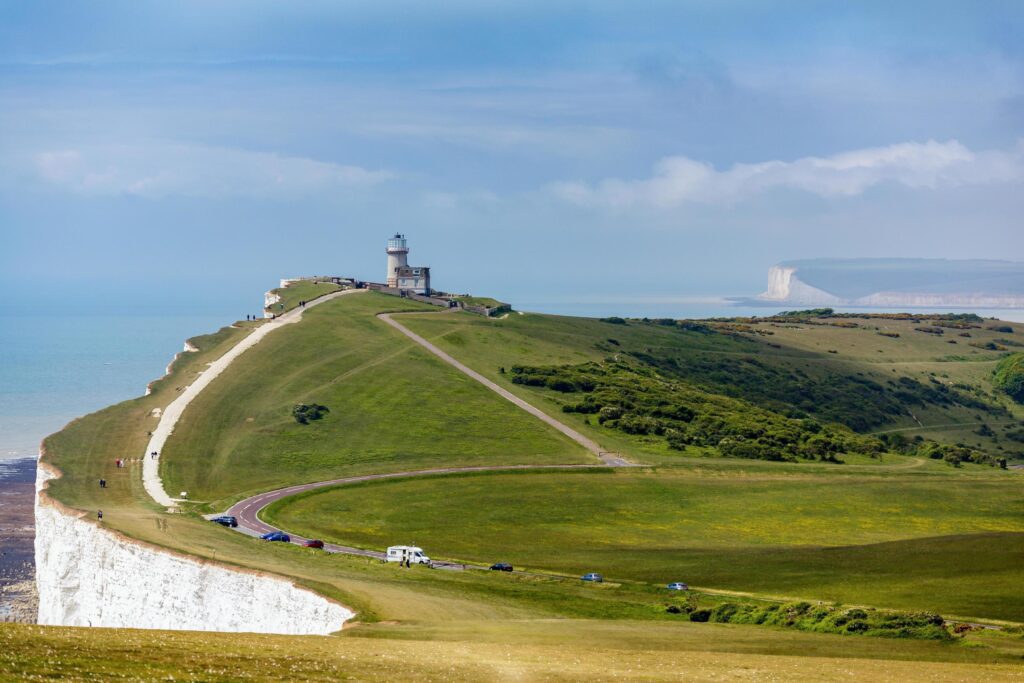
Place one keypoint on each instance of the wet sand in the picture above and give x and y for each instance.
(17, 537)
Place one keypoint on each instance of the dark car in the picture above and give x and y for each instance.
(277, 536)
(596, 578)
(501, 567)
(226, 520)
(313, 543)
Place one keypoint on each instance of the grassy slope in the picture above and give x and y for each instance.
(530, 339)
(853, 538)
(86, 450)
(393, 407)
(485, 301)
(303, 290)
(476, 612)
(475, 651)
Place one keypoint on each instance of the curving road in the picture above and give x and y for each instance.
(247, 511)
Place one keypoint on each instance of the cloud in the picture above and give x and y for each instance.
(679, 180)
(156, 171)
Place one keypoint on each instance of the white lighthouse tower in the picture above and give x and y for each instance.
(398, 250)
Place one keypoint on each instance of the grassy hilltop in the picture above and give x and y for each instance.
(886, 526)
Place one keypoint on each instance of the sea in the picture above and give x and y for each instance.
(54, 368)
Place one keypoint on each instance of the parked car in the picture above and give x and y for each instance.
(501, 567)
(313, 543)
(678, 586)
(277, 536)
(226, 520)
(596, 578)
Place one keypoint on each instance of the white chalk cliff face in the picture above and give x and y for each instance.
(785, 286)
(89, 576)
(897, 282)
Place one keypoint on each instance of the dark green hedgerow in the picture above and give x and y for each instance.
(1009, 376)
(857, 402)
(829, 619)
(636, 399)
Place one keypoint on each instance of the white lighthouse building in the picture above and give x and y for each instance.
(400, 274)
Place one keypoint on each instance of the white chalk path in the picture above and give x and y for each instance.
(172, 413)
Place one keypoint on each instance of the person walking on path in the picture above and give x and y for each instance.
(99, 514)
(103, 483)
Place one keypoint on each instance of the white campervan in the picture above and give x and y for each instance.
(401, 553)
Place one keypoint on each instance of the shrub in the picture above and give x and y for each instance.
(304, 413)
(830, 619)
(1009, 376)
(614, 320)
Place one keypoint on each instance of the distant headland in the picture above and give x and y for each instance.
(872, 282)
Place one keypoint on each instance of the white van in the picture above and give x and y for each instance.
(401, 553)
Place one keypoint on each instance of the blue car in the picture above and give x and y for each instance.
(596, 578)
(678, 586)
(277, 536)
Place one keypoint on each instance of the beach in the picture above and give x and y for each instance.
(17, 535)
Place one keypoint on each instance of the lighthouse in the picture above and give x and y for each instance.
(398, 250)
(401, 275)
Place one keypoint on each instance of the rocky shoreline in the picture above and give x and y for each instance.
(18, 598)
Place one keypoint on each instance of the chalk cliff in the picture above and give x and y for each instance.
(90, 576)
(896, 282)
(785, 286)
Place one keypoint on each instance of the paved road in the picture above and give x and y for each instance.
(247, 511)
(249, 523)
(611, 459)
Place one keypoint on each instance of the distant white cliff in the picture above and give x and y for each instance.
(896, 282)
(90, 576)
(784, 286)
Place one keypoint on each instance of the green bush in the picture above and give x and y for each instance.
(634, 398)
(824, 618)
(1009, 376)
(304, 413)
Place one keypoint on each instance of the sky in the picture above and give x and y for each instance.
(185, 156)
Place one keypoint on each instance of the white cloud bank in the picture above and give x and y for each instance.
(156, 171)
(678, 180)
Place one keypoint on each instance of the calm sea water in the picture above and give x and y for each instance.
(56, 368)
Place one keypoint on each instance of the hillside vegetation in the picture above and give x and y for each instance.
(301, 290)
(925, 539)
(1009, 376)
(836, 369)
(559, 650)
(882, 530)
(389, 405)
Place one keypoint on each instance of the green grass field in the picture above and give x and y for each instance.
(394, 407)
(531, 339)
(550, 650)
(296, 292)
(926, 542)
